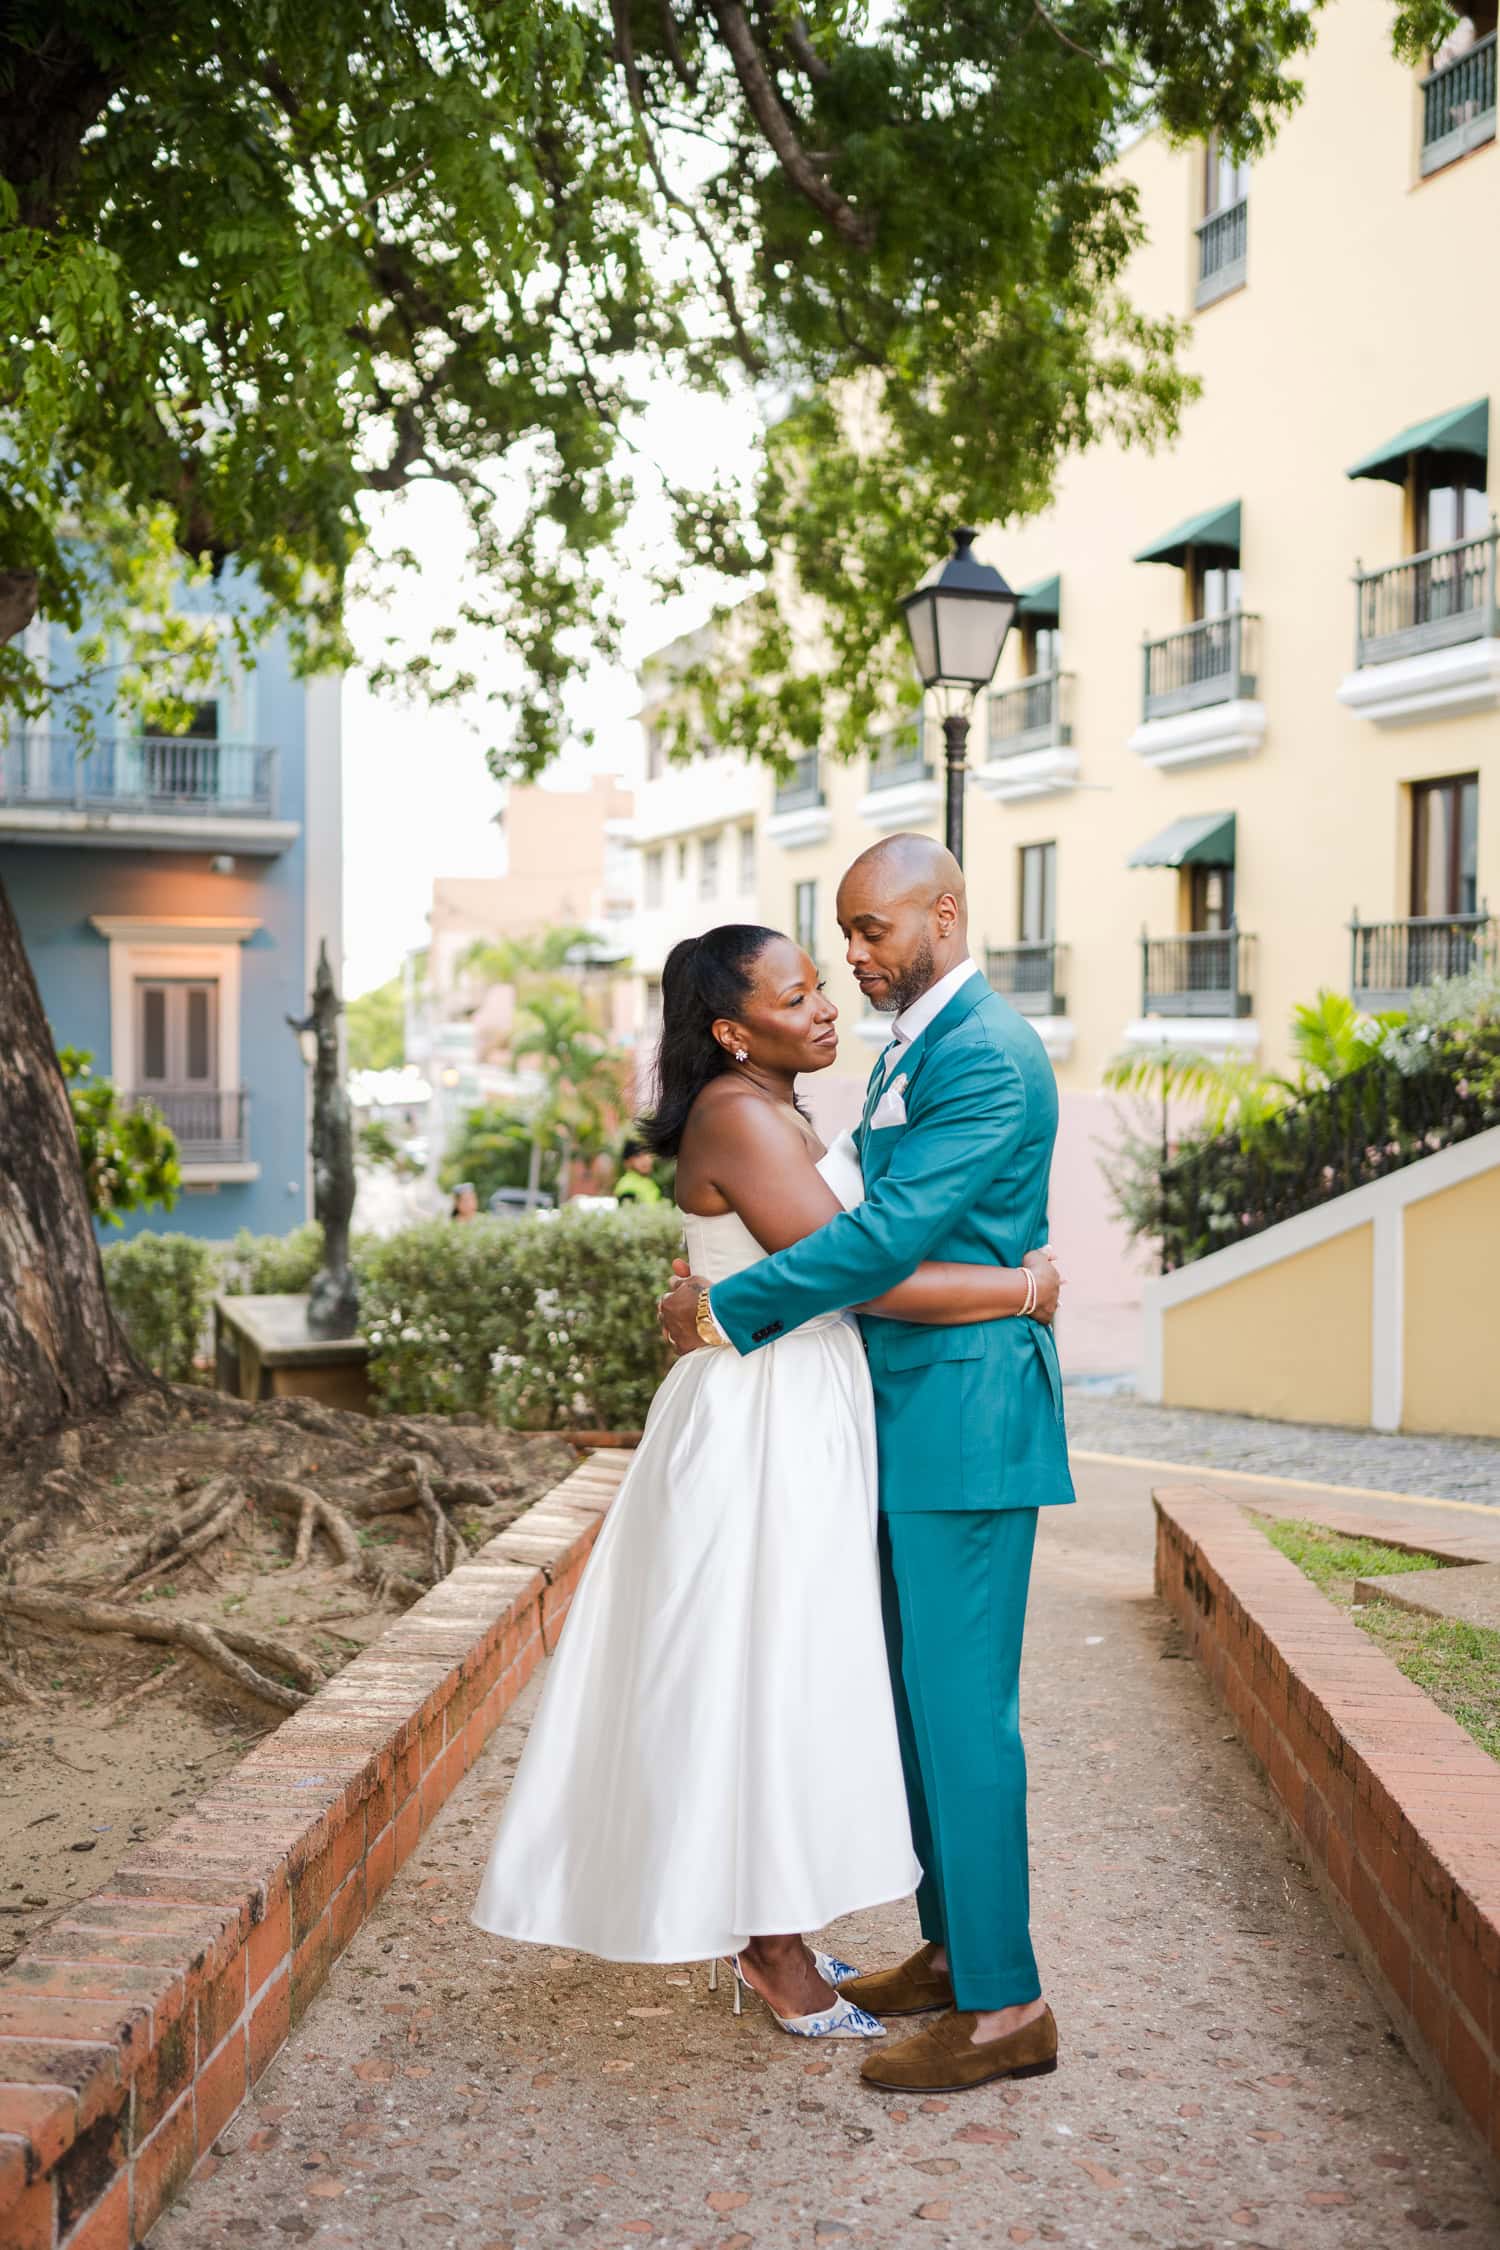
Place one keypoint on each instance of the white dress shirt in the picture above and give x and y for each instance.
(925, 1009)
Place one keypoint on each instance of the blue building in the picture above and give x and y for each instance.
(173, 892)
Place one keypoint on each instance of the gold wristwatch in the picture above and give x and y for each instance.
(709, 1331)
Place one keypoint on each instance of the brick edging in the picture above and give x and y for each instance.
(132, 2029)
(1396, 1808)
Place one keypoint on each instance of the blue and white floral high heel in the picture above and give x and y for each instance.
(832, 1971)
(842, 2021)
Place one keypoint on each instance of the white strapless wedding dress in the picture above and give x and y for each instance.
(714, 1755)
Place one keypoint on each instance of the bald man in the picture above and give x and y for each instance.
(956, 1149)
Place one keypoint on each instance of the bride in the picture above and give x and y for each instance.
(713, 1766)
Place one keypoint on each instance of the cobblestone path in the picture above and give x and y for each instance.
(1228, 2078)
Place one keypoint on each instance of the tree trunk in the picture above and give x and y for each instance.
(61, 1353)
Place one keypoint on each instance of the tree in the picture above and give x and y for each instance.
(584, 1079)
(129, 1155)
(375, 1028)
(494, 1147)
(329, 254)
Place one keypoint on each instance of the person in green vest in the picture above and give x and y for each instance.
(637, 1183)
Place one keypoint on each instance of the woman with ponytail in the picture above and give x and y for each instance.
(714, 1768)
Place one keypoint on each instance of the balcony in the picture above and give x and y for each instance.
(1458, 106)
(1427, 634)
(166, 792)
(1392, 960)
(211, 1129)
(1030, 977)
(1198, 703)
(1197, 973)
(1030, 741)
(1223, 242)
(903, 790)
(799, 810)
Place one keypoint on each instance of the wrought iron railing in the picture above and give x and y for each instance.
(1029, 976)
(898, 758)
(209, 1126)
(1432, 600)
(1209, 662)
(802, 787)
(1197, 973)
(1029, 717)
(1374, 1121)
(139, 773)
(1390, 960)
(1458, 106)
(1223, 246)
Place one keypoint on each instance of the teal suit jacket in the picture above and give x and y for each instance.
(967, 1417)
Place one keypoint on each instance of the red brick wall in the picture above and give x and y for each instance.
(133, 2028)
(1397, 1809)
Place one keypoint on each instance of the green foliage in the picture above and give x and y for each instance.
(493, 1149)
(590, 1354)
(1330, 1558)
(378, 1149)
(376, 1028)
(129, 1155)
(161, 1287)
(1374, 1094)
(523, 961)
(584, 1076)
(549, 1322)
(438, 1302)
(272, 1265)
(327, 254)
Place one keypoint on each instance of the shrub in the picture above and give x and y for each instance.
(161, 1286)
(129, 1156)
(272, 1265)
(438, 1302)
(588, 1353)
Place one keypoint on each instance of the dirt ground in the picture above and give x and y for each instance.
(104, 1737)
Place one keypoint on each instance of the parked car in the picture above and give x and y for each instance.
(510, 1203)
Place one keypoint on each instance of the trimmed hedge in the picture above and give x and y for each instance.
(544, 1323)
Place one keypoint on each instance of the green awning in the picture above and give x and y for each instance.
(1465, 430)
(1216, 527)
(1198, 840)
(1042, 602)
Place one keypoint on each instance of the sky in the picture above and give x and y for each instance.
(418, 801)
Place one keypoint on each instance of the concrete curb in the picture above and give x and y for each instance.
(132, 2030)
(1397, 1810)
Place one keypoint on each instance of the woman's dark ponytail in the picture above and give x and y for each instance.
(703, 979)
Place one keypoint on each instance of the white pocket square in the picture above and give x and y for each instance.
(890, 1109)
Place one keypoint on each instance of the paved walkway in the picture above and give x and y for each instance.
(1228, 2077)
(1455, 1468)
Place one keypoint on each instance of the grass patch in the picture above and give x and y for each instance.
(1457, 1665)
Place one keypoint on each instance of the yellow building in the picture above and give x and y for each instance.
(1253, 692)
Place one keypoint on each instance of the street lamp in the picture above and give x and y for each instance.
(958, 619)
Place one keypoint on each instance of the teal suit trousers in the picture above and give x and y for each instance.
(954, 1586)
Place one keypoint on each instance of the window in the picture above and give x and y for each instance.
(656, 754)
(1038, 893)
(1451, 502)
(1210, 898)
(177, 1044)
(805, 917)
(1041, 649)
(708, 867)
(747, 859)
(654, 874)
(1226, 179)
(653, 1007)
(682, 859)
(1445, 846)
(1214, 582)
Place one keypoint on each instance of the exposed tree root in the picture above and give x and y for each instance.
(315, 1511)
(213, 1513)
(217, 1644)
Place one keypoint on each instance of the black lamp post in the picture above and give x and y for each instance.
(958, 619)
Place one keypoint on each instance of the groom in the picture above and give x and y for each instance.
(956, 1147)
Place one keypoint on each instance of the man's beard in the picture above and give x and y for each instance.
(910, 984)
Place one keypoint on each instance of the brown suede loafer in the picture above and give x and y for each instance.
(913, 1989)
(943, 2059)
